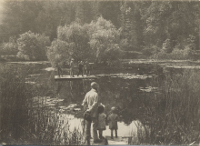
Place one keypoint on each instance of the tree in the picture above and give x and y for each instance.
(32, 46)
(59, 52)
(171, 20)
(131, 26)
(104, 40)
(77, 35)
(110, 10)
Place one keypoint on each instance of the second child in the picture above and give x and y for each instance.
(112, 122)
(101, 121)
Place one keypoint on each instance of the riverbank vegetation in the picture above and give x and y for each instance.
(174, 112)
(154, 29)
(24, 117)
(170, 116)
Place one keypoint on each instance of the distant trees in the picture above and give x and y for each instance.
(171, 23)
(32, 46)
(149, 27)
(131, 26)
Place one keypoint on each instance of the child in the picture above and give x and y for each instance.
(59, 70)
(112, 122)
(72, 67)
(101, 121)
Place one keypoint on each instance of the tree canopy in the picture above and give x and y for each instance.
(138, 26)
(32, 46)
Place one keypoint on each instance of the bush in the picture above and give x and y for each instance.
(9, 48)
(32, 46)
(176, 54)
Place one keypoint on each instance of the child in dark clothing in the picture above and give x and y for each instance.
(112, 121)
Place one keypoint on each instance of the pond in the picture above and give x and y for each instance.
(125, 89)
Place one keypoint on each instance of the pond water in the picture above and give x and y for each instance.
(125, 89)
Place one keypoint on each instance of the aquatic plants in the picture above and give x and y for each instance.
(27, 120)
(174, 113)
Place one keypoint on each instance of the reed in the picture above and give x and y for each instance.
(25, 119)
(174, 112)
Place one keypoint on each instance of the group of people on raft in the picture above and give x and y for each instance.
(83, 68)
(94, 113)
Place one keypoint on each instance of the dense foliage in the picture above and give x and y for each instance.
(97, 41)
(143, 25)
(32, 46)
(104, 39)
(59, 52)
(76, 35)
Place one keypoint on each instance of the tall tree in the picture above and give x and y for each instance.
(170, 20)
(104, 40)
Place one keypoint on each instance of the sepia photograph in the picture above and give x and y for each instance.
(99, 72)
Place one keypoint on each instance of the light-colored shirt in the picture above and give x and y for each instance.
(71, 64)
(91, 101)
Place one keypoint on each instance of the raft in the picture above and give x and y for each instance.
(69, 78)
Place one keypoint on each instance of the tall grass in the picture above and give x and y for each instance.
(173, 113)
(24, 118)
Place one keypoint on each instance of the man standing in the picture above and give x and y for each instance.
(72, 67)
(86, 67)
(91, 102)
(80, 68)
(59, 70)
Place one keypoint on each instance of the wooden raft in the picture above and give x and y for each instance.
(69, 78)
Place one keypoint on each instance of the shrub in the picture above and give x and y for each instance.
(32, 46)
(176, 54)
(9, 48)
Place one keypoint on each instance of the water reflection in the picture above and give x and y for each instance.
(70, 122)
(119, 92)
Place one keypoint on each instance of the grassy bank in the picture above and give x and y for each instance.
(27, 121)
(172, 117)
